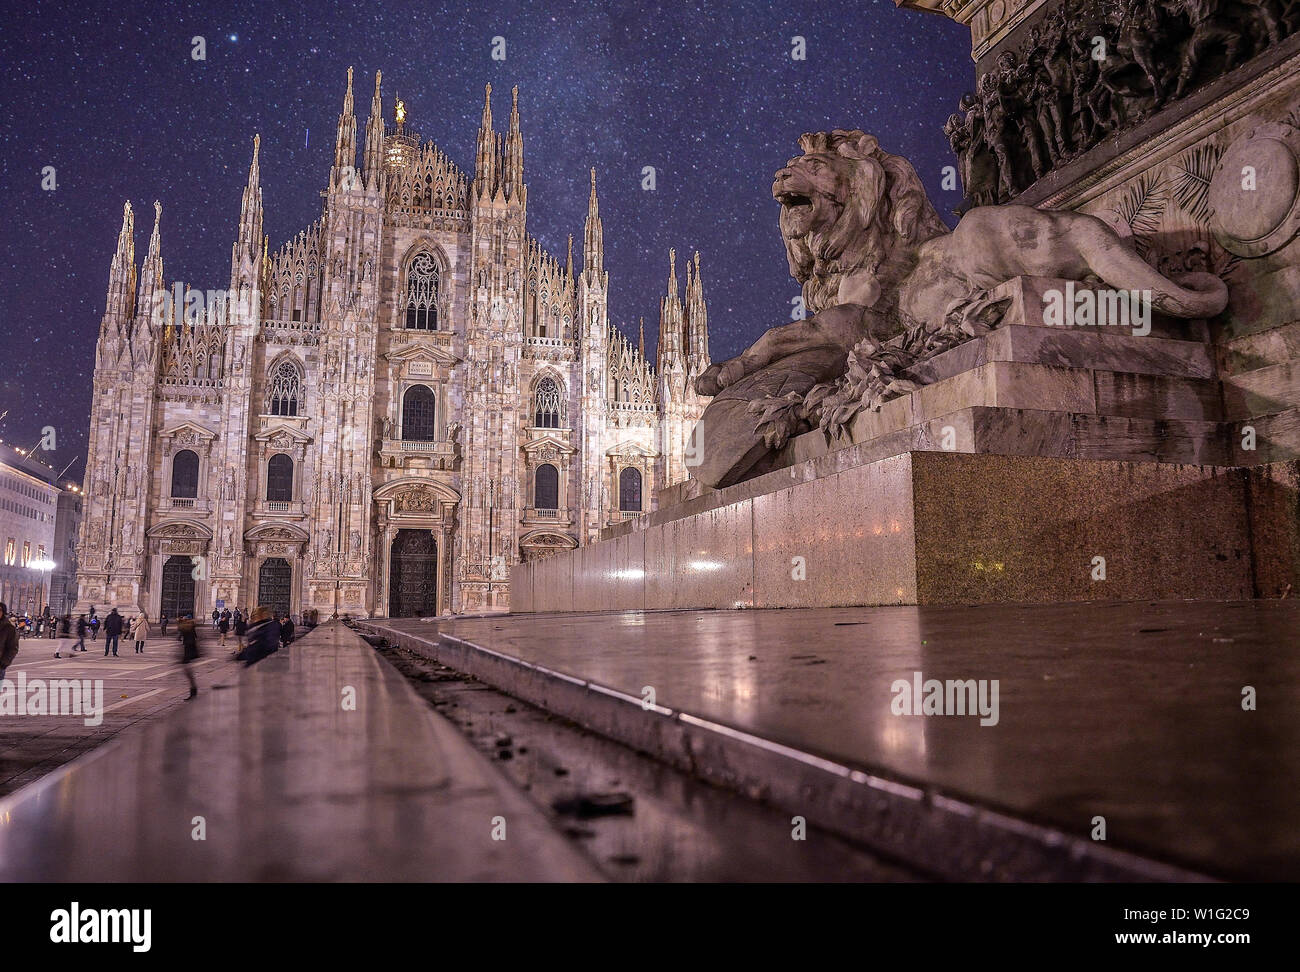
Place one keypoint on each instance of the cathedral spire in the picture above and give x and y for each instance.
(247, 248)
(121, 276)
(374, 160)
(670, 323)
(641, 342)
(345, 142)
(486, 157)
(593, 242)
(697, 322)
(151, 272)
(514, 174)
(568, 267)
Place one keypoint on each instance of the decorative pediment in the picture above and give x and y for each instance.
(188, 433)
(548, 446)
(412, 492)
(419, 351)
(282, 436)
(278, 530)
(179, 530)
(548, 538)
(631, 450)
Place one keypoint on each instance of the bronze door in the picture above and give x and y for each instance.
(413, 575)
(274, 578)
(178, 587)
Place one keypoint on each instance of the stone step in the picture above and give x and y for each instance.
(1028, 303)
(1073, 348)
(1263, 391)
(1276, 437)
(1260, 350)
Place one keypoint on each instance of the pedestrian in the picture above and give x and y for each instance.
(263, 636)
(81, 633)
(94, 626)
(286, 631)
(223, 625)
(140, 632)
(112, 632)
(241, 629)
(162, 622)
(216, 616)
(63, 630)
(8, 639)
(189, 650)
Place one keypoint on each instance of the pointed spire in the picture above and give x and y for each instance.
(374, 158)
(641, 342)
(485, 158)
(121, 274)
(248, 239)
(671, 338)
(514, 168)
(593, 243)
(568, 267)
(697, 322)
(345, 142)
(151, 271)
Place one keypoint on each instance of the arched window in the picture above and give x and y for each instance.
(629, 490)
(279, 478)
(185, 474)
(417, 414)
(550, 405)
(285, 389)
(546, 487)
(422, 294)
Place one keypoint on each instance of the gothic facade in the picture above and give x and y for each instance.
(383, 414)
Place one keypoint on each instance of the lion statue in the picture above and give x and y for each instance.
(886, 282)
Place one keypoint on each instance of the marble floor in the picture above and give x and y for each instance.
(1128, 711)
(318, 764)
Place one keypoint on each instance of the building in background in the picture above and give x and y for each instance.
(29, 506)
(67, 527)
(385, 413)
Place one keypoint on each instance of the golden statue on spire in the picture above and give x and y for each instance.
(401, 113)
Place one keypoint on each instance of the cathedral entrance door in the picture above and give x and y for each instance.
(274, 578)
(178, 587)
(413, 575)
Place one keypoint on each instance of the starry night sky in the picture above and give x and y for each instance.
(708, 94)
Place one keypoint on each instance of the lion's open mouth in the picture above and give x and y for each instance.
(793, 200)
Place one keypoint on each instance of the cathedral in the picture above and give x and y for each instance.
(382, 415)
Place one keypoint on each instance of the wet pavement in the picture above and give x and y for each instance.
(1127, 714)
(318, 764)
(638, 819)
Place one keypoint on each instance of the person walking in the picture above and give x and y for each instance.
(189, 638)
(140, 632)
(223, 625)
(241, 629)
(112, 632)
(8, 639)
(263, 636)
(286, 631)
(64, 632)
(81, 633)
(216, 616)
(162, 623)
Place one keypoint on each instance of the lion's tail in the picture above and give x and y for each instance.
(1196, 295)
